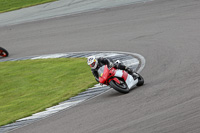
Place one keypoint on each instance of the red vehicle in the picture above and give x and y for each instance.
(3, 52)
(119, 80)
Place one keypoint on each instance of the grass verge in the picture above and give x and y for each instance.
(9, 5)
(30, 86)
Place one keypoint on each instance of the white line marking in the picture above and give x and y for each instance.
(49, 56)
(106, 55)
(131, 62)
(52, 110)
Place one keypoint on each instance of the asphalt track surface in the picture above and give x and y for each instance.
(165, 32)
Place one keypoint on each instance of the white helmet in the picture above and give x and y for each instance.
(92, 62)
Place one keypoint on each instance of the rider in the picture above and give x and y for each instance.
(96, 63)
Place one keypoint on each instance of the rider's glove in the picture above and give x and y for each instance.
(115, 65)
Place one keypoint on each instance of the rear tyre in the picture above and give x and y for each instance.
(140, 80)
(122, 88)
(3, 52)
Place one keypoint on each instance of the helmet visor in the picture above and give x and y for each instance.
(93, 64)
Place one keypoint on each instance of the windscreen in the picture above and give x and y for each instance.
(101, 70)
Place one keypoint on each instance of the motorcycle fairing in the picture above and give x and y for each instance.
(118, 73)
(2, 53)
(103, 74)
(127, 78)
(115, 79)
(131, 82)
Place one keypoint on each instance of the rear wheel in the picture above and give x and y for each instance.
(140, 80)
(3, 52)
(122, 87)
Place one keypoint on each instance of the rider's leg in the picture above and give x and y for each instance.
(127, 69)
(132, 73)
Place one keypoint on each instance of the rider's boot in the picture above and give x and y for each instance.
(135, 76)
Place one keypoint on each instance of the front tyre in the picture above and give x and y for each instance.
(122, 88)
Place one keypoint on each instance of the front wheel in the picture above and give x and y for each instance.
(122, 87)
(3, 52)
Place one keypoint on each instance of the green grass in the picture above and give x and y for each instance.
(30, 86)
(9, 5)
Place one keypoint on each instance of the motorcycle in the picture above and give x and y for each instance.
(3, 52)
(119, 80)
